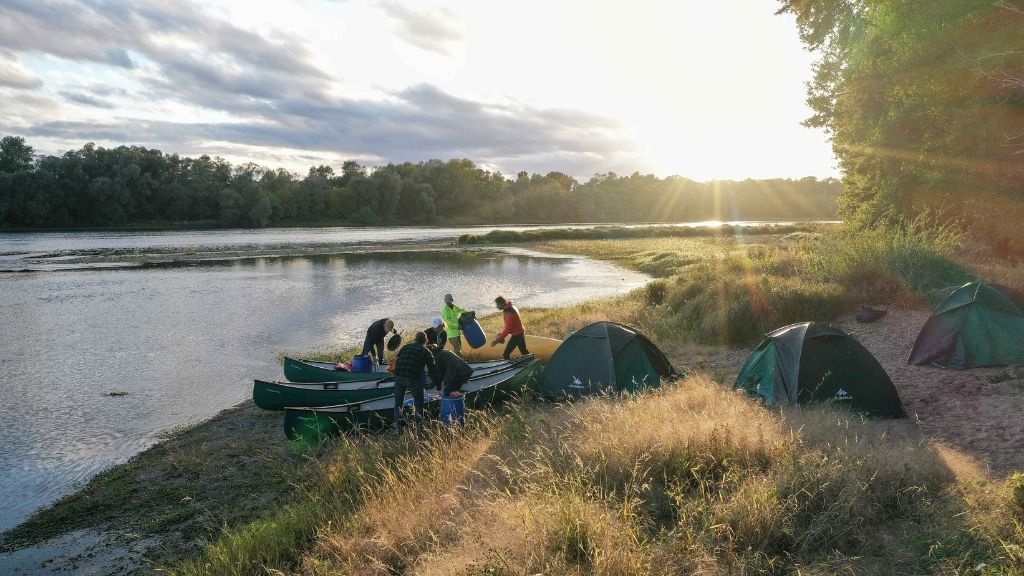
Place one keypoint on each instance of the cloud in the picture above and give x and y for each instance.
(22, 109)
(172, 35)
(85, 99)
(13, 75)
(278, 100)
(415, 124)
(433, 29)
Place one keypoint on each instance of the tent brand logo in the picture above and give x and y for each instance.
(842, 394)
(576, 383)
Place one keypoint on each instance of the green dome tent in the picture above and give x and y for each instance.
(978, 324)
(815, 362)
(603, 357)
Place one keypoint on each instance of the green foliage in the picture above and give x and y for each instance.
(128, 186)
(15, 155)
(922, 100)
(910, 258)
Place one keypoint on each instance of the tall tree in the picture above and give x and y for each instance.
(15, 154)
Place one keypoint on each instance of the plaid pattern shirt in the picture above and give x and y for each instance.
(411, 360)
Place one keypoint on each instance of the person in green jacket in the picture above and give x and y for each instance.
(450, 315)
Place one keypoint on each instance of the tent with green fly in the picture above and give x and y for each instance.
(816, 362)
(979, 324)
(604, 357)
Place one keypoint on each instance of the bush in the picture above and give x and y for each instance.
(730, 302)
(904, 260)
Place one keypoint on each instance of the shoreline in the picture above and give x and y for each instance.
(120, 517)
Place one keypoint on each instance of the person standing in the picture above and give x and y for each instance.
(513, 329)
(374, 341)
(450, 315)
(410, 363)
(436, 334)
(450, 372)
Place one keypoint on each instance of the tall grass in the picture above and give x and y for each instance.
(688, 479)
(904, 260)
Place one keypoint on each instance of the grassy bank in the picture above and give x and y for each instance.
(224, 472)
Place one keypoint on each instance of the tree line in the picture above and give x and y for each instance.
(136, 186)
(924, 103)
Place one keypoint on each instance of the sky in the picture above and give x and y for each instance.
(706, 90)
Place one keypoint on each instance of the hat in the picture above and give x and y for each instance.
(436, 323)
(448, 298)
(389, 325)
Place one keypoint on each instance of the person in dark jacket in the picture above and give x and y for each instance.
(436, 334)
(412, 359)
(450, 372)
(513, 329)
(374, 342)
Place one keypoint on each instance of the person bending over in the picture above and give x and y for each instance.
(374, 342)
(450, 372)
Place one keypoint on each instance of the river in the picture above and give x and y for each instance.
(96, 363)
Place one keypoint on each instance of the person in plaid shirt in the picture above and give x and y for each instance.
(409, 375)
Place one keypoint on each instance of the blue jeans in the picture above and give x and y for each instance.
(374, 347)
(414, 386)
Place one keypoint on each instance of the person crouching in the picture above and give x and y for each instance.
(409, 366)
(450, 372)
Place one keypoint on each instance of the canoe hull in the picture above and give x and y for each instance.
(312, 424)
(278, 395)
(540, 347)
(312, 371)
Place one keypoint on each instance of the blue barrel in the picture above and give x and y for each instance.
(361, 364)
(453, 411)
(473, 333)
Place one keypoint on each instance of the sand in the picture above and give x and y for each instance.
(977, 412)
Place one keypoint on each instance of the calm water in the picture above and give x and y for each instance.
(184, 341)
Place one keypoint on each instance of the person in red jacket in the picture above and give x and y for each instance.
(513, 329)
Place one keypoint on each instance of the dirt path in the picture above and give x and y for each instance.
(977, 411)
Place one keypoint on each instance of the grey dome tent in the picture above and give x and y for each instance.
(604, 357)
(978, 324)
(816, 362)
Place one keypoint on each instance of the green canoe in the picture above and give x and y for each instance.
(309, 424)
(277, 395)
(311, 371)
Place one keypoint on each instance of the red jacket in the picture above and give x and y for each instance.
(513, 324)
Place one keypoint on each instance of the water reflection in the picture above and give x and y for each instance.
(185, 340)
